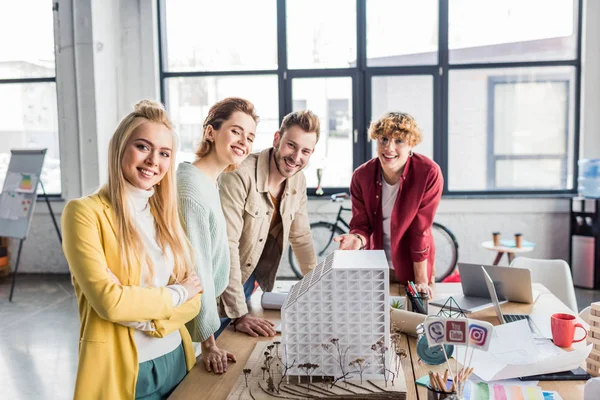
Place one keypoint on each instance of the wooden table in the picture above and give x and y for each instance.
(201, 384)
(510, 251)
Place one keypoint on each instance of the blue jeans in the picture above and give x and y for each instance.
(248, 290)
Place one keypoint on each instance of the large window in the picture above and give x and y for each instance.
(27, 87)
(331, 100)
(516, 125)
(513, 95)
(494, 87)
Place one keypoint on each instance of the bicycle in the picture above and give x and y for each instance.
(323, 232)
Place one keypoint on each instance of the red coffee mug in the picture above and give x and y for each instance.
(563, 329)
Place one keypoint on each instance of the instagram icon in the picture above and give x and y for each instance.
(478, 335)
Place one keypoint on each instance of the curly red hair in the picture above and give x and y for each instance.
(397, 125)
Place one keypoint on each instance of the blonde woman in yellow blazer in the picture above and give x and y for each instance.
(124, 313)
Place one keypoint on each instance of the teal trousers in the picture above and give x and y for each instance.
(159, 377)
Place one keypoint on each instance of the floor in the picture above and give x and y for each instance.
(39, 334)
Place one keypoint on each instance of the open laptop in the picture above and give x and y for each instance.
(508, 318)
(512, 284)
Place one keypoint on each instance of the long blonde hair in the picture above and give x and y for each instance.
(163, 204)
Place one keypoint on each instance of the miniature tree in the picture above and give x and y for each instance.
(285, 369)
(360, 366)
(246, 373)
(395, 336)
(277, 343)
(400, 355)
(267, 368)
(395, 339)
(270, 384)
(339, 356)
(308, 368)
(381, 349)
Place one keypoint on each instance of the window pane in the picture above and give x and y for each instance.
(232, 35)
(415, 44)
(411, 94)
(530, 174)
(30, 120)
(321, 34)
(519, 117)
(23, 54)
(512, 30)
(189, 100)
(498, 115)
(331, 100)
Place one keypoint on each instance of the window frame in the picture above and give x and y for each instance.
(46, 79)
(493, 158)
(362, 74)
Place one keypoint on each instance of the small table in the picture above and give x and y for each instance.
(510, 251)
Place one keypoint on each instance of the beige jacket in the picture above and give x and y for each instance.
(248, 210)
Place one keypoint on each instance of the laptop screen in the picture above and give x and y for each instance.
(492, 289)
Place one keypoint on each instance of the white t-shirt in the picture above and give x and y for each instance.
(389, 193)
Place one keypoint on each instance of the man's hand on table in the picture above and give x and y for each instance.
(255, 326)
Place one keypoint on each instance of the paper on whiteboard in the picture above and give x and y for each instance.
(12, 181)
(20, 182)
(28, 183)
(11, 206)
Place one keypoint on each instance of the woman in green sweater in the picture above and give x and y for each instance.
(229, 131)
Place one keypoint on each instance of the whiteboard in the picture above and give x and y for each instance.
(19, 193)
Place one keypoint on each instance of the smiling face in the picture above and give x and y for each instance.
(293, 149)
(392, 153)
(147, 155)
(233, 140)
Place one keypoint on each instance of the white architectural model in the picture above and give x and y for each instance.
(346, 298)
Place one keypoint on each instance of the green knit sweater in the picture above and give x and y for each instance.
(206, 228)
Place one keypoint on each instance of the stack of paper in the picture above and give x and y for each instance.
(514, 353)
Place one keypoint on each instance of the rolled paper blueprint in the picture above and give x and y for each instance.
(406, 321)
(272, 300)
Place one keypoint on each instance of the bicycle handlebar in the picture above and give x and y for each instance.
(336, 197)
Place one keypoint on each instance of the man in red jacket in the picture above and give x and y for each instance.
(394, 199)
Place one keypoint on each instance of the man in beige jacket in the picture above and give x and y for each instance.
(264, 202)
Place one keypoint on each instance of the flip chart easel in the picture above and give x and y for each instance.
(18, 198)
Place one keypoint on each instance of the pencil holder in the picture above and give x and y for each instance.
(425, 300)
(424, 297)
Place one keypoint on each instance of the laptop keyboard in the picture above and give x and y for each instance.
(514, 317)
(537, 334)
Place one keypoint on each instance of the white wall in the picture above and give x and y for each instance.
(119, 39)
(542, 221)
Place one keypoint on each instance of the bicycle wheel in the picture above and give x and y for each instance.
(323, 234)
(446, 251)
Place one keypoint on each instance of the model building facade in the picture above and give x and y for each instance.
(345, 298)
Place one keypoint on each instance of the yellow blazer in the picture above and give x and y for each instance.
(108, 363)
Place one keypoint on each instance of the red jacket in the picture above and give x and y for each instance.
(421, 186)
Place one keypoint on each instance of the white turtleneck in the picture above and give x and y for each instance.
(148, 347)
